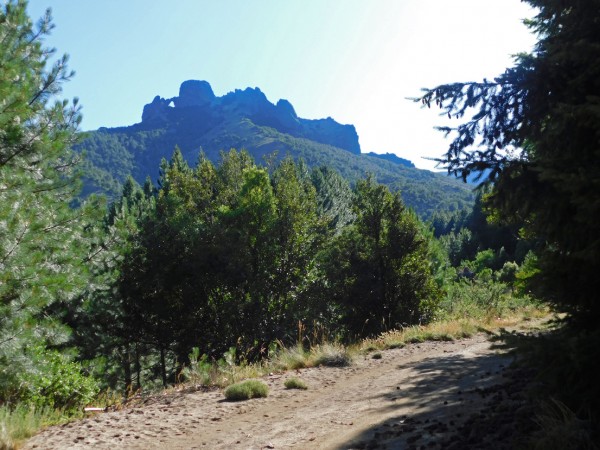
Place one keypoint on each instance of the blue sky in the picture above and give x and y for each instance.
(353, 60)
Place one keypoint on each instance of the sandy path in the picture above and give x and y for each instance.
(412, 397)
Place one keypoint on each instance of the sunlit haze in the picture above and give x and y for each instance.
(354, 60)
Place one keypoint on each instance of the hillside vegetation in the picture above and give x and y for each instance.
(247, 120)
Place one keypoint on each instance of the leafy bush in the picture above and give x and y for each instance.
(508, 272)
(295, 383)
(480, 299)
(246, 390)
(56, 382)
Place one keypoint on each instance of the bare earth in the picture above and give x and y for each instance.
(415, 397)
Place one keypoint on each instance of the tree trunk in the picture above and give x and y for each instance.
(163, 367)
(127, 367)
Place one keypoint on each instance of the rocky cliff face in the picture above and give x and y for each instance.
(197, 101)
(194, 93)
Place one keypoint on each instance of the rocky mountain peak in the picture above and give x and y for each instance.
(198, 104)
(194, 93)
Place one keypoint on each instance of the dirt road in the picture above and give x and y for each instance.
(413, 397)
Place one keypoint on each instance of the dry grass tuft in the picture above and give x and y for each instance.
(331, 355)
(560, 428)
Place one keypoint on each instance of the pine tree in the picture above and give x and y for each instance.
(535, 129)
(43, 241)
(378, 267)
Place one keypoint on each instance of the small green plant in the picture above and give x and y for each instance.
(221, 372)
(200, 370)
(295, 383)
(377, 355)
(246, 390)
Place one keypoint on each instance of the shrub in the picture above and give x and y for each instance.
(57, 382)
(295, 383)
(377, 355)
(481, 299)
(246, 390)
(200, 370)
(221, 372)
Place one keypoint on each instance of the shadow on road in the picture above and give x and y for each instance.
(440, 400)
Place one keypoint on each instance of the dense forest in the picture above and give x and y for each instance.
(228, 255)
(214, 256)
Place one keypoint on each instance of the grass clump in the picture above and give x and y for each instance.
(246, 390)
(328, 354)
(295, 383)
(22, 421)
(331, 355)
(292, 358)
(377, 355)
(560, 428)
(398, 344)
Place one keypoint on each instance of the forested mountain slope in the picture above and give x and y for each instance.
(197, 121)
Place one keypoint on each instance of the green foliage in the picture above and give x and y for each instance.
(246, 390)
(200, 369)
(465, 233)
(334, 197)
(295, 383)
(546, 107)
(508, 273)
(203, 371)
(99, 329)
(528, 270)
(234, 257)
(44, 242)
(58, 383)
(481, 299)
(228, 247)
(113, 154)
(378, 268)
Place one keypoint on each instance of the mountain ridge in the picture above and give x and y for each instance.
(197, 99)
(198, 121)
